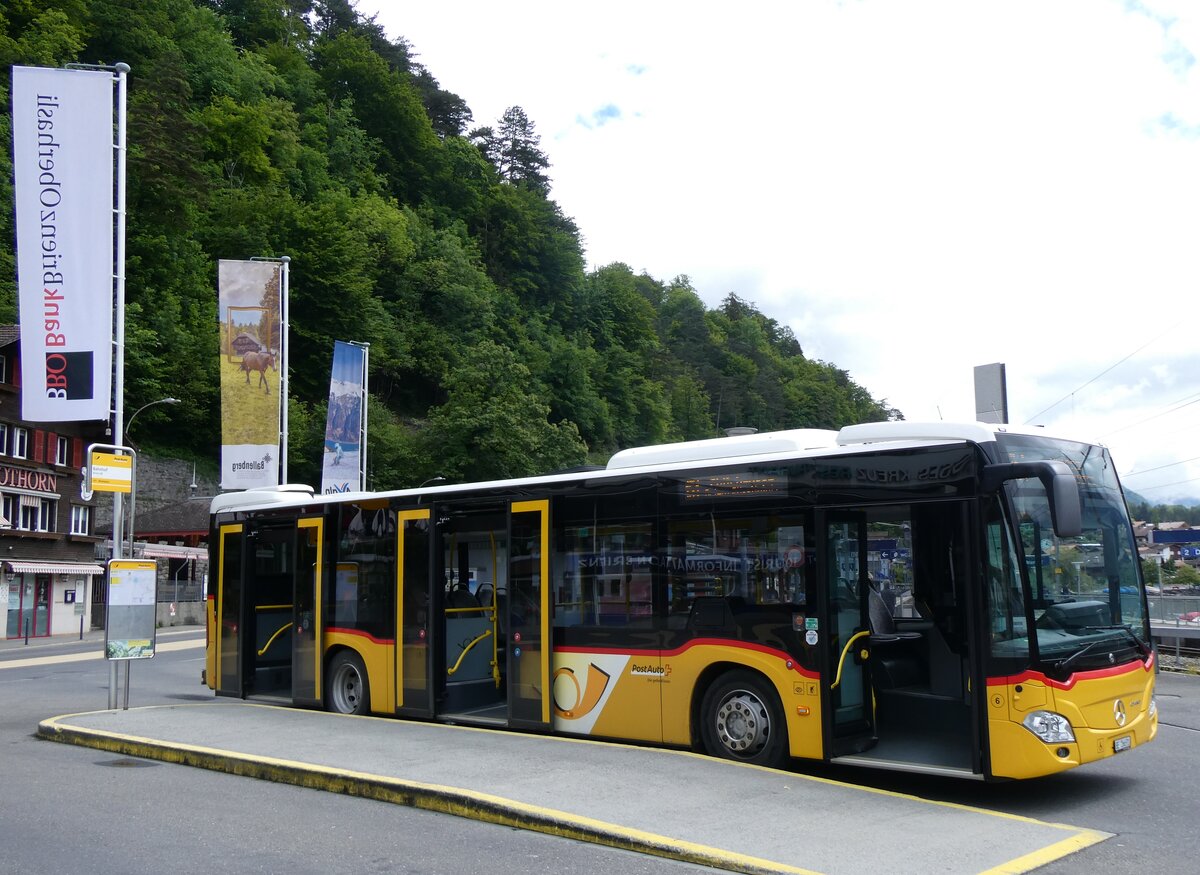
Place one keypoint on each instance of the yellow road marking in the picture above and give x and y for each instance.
(92, 654)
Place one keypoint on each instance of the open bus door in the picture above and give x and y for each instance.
(846, 688)
(306, 612)
(414, 662)
(267, 611)
(529, 638)
(227, 612)
(490, 651)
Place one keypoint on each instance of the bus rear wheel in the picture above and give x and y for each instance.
(741, 719)
(346, 690)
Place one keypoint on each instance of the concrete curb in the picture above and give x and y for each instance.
(429, 797)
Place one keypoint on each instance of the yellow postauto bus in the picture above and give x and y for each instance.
(957, 599)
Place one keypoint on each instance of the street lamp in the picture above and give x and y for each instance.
(119, 523)
(129, 421)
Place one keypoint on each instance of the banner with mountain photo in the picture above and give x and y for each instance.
(341, 468)
(62, 124)
(249, 296)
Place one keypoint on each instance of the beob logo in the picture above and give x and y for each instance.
(69, 375)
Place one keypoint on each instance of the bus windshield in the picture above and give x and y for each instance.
(1086, 595)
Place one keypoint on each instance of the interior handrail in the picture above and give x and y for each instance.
(484, 634)
(842, 660)
(271, 640)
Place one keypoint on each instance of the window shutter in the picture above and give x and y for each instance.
(39, 445)
(77, 450)
(51, 448)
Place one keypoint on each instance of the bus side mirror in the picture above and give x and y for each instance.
(1060, 484)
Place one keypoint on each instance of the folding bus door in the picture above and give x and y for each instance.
(414, 659)
(306, 612)
(267, 611)
(849, 708)
(227, 612)
(528, 610)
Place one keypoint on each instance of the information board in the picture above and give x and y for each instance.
(131, 623)
(111, 472)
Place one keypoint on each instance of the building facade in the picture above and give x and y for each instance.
(50, 578)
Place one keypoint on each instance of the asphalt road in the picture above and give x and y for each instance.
(1146, 799)
(70, 808)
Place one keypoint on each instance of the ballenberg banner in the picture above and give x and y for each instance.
(341, 470)
(249, 300)
(62, 124)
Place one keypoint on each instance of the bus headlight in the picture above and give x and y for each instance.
(1153, 706)
(1049, 727)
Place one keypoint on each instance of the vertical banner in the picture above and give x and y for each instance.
(62, 123)
(341, 470)
(249, 305)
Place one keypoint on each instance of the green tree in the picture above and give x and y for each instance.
(514, 148)
(387, 108)
(493, 427)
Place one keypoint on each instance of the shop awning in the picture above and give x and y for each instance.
(172, 551)
(53, 568)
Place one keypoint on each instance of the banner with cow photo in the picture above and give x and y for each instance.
(62, 124)
(249, 297)
(342, 468)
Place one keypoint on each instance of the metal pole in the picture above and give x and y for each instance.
(119, 343)
(362, 434)
(283, 374)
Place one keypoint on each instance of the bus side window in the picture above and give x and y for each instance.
(607, 577)
(755, 560)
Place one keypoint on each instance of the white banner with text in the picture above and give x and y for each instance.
(62, 123)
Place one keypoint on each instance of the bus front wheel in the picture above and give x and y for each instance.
(742, 720)
(347, 691)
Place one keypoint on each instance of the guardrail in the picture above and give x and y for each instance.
(1171, 608)
(1180, 637)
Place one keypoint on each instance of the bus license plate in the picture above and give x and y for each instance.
(1123, 743)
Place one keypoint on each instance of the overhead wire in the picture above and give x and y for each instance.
(1165, 485)
(1179, 406)
(1186, 401)
(1160, 467)
(1099, 375)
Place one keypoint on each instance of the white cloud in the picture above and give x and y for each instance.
(915, 188)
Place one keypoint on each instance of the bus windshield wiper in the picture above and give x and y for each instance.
(1142, 646)
(1087, 648)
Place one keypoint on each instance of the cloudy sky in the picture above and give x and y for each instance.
(914, 188)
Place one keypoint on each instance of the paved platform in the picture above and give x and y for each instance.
(669, 803)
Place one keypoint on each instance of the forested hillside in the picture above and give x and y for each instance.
(289, 127)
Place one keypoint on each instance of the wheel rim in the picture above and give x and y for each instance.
(347, 689)
(743, 724)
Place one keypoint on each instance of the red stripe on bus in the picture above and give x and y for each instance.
(697, 642)
(1075, 677)
(360, 634)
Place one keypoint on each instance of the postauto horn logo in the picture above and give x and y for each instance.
(587, 697)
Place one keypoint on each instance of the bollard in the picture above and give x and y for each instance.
(26, 631)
